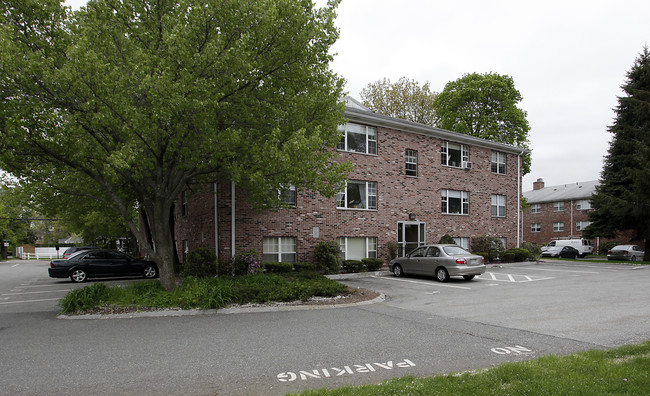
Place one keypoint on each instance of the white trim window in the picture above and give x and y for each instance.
(558, 227)
(453, 154)
(455, 202)
(536, 227)
(358, 138)
(583, 204)
(354, 248)
(581, 225)
(498, 162)
(279, 249)
(358, 195)
(462, 242)
(535, 208)
(411, 163)
(498, 205)
(184, 203)
(287, 196)
(558, 206)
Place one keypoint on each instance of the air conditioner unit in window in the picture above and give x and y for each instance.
(467, 165)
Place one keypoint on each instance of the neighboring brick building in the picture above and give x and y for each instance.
(557, 211)
(411, 184)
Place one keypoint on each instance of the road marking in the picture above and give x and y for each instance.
(15, 265)
(28, 301)
(37, 292)
(512, 278)
(557, 270)
(422, 283)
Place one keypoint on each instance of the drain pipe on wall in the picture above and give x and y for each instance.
(232, 216)
(519, 218)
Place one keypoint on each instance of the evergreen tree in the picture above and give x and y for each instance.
(622, 200)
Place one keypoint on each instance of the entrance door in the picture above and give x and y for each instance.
(410, 235)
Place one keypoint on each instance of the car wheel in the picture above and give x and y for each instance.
(397, 270)
(633, 258)
(468, 277)
(442, 275)
(150, 272)
(78, 276)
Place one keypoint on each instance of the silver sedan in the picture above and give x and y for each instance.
(440, 261)
(626, 252)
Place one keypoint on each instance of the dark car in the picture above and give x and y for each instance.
(561, 251)
(440, 261)
(74, 249)
(96, 263)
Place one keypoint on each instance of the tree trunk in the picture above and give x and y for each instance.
(163, 240)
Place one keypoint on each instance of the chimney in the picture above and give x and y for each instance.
(538, 185)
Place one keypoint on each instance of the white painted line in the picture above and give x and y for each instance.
(554, 270)
(422, 283)
(512, 278)
(15, 265)
(38, 292)
(28, 301)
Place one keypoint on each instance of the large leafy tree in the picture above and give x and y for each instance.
(622, 199)
(485, 106)
(404, 99)
(127, 102)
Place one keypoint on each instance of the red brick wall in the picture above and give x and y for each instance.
(569, 216)
(398, 196)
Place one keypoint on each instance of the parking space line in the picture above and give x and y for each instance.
(557, 270)
(28, 301)
(511, 278)
(36, 292)
(422, 283)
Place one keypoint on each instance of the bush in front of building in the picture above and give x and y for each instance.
(447, 239)
(304, 267)
(278, 268)
(373, 264)
(516, 255)
(607, 246)
(247, 262)
(327, 255)
(534, 250)
(353, 266)
(392, 248)
(201, 262)
(491, 248)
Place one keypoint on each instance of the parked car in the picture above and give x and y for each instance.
(100, 263)
(584, 246)
(561, 251)
(625, 252)
(74, 249)
(441, 261)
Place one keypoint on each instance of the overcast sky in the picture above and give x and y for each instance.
(567, 58)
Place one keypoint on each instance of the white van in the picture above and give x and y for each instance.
(583, 246)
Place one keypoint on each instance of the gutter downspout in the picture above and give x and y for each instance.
(519, 217)
(232, 217)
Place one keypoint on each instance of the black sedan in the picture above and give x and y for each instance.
(561, 251)
(101, 263)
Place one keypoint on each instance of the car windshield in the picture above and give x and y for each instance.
(454, 250)
(75, 254)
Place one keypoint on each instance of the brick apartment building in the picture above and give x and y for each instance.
(411, 184)
(557, 211)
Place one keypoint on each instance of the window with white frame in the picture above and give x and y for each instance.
(455, 202)
(358, 138)
(583, 204)
(581, 225)
(558, 227)
(411, 163)
(535, 208)
(462, 242)
(184, 203)
(498, 162)
(535, 227)
(358, 195)
(453, 154)
(355, 248)
(498, 205)
(558, 206)
(279, 249)
(287, 195)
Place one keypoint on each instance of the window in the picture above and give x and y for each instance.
(558, 227)
(411, 163)
(499, 162)
(498, 206)
(581, 225)
(454, 154)
(358, 248)
(558, 206)
(583, 204)
(184, 203)
(535, 227)
(358, 138)
(281, 249)
(462, 242)
(536, 208)
(358, 195)
(287, 195)
(186, 250)
(455, 202)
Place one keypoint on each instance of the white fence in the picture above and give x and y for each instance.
(49, 253)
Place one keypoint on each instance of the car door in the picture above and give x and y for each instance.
(94, 262)
(430, 261)
(413, 264)
(117, 263)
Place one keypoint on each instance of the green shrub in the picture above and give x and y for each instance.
(247, 263)
(392, 248)
(304, 266)
(353, 266)
(373, 264)
(225, 268)
(447, 239)
(200, 262)
(85, 298)
(327, 255)
(492, 246)
(534, 251)
(278, 268)
(516, 254)
(606, 246)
